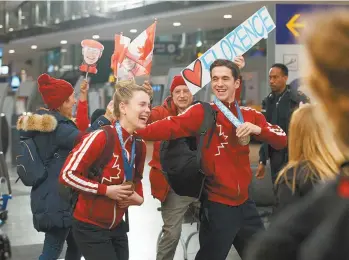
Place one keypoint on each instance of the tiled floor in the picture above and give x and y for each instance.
(145, 225)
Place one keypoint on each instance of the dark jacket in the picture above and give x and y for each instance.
(55, 136)
(280, 114)
(305, 179)
(314, 228)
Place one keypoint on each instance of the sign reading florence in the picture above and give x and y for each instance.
(236, 43)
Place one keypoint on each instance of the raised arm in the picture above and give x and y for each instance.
(183, 125)
(82, 120)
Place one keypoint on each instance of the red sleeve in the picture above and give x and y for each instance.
(271, 134)
(157, 113)
(74, 171)
(172, 127)
(140, 170)
(82, 120)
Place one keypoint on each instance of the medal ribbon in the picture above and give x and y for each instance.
(228, 114)
(128, 165)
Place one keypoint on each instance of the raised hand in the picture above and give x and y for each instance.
(84, 87)
(240, 62)
(109, 114)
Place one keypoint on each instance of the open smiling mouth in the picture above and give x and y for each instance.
(143, 119)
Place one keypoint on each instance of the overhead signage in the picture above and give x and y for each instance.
(290, 20)
(166, 48)
(236, 43)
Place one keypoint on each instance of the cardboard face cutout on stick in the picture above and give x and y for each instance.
(91, 52)
(236, 43)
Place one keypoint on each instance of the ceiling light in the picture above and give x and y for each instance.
(10, 29)
(64, 42)
(0, 26)
(63, 50)
(11, 51)
(176, 24)
(228, 16)
(95, 37)
(133, 30)
(34, 47)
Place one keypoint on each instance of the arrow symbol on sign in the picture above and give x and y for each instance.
(292, 25)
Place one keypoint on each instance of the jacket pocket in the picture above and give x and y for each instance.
(102, 210)
(226, 176)
(158, 183)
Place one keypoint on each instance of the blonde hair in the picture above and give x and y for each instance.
(124, 90)
(312, 142)
(327, 43)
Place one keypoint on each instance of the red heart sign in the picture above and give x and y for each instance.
(194, 76)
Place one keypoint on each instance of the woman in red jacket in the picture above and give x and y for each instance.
(98, 226)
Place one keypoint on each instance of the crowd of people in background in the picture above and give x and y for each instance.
(95, 165)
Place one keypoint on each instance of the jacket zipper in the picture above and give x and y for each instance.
(114, 217)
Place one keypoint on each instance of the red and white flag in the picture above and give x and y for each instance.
(139, 55)
(120, 49)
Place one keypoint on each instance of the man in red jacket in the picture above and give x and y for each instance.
(173, 206)
(230, 217)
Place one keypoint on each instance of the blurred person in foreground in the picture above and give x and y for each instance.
(313, 156)
(317, 227)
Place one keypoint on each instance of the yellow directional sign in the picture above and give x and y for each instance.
(292, 25)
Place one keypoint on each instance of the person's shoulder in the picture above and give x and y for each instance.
(250, 110)
(98, 136)
(302, 172)
(298, 96)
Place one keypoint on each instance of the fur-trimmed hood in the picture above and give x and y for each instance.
(35, 122)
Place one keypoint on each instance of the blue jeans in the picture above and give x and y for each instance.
(54, 242)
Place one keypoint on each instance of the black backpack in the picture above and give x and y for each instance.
(181, 158)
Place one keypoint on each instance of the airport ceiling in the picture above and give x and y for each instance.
(203, 17)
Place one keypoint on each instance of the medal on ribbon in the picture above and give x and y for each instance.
(128, 165)
(245, 140)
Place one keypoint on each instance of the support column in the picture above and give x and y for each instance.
(271, 41)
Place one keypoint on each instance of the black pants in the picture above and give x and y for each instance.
(277, 162)
(97, 243)
(223, 226)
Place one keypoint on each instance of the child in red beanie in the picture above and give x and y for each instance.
(55, 135)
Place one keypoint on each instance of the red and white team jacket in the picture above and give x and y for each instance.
(226, 163)
(93, 206)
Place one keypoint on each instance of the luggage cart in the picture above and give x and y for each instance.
(5, 196)
(192, 216)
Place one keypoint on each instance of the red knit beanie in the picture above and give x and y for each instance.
(54, 91)
(177, 81)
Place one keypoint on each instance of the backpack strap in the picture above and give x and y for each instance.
(210, 117)
(139, 153)
(97, 168)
